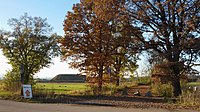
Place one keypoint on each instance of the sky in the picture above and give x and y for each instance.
(55, 12)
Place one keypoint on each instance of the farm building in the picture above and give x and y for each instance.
(70, 78)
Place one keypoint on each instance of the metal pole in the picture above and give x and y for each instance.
(21, 78)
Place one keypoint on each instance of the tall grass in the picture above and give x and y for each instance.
(189, 96)
(4, 92)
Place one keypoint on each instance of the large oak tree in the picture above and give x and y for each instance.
(30, 43)
(93, 32)
(171, 28)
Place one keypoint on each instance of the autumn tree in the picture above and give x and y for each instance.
(171, 28)
(30, 43)
(124, 52)
(91, 36)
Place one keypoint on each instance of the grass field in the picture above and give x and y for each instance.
(193, 84)
(64, 88)
(60, 88)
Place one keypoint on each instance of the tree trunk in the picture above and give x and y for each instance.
(100, 79)
(176, 87)
(26, 79)
(117, 73)
(117, 81)
(176, 80)
(100, 82)
(26, 74)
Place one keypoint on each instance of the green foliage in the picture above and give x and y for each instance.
(1, 85)
(30, 43)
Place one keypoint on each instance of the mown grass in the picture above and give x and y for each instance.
(193, 84)
(60, 88)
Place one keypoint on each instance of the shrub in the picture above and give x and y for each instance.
(11, 81)
(1, 85)
(164, 90)
(93, 88)
(144, 80)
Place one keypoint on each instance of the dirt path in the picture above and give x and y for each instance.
(11, 106)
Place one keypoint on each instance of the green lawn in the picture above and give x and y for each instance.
(193, 84)
(60, 88)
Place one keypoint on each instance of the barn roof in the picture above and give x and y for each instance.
(69, 78)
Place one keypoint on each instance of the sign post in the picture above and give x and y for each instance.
(21, 68)
(22, 73)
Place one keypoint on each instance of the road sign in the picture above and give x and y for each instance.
(27, 91)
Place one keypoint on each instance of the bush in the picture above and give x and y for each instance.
(144, 80)
(93, 89)
(1, 85)
(164, 90)
(11, 81)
